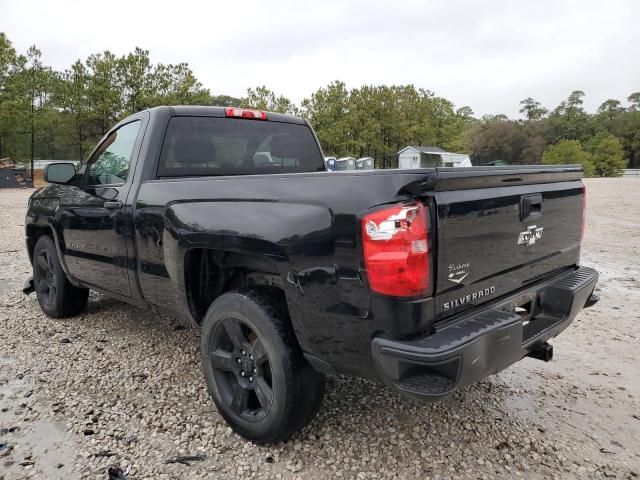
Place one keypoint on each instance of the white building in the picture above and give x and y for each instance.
(417, 156)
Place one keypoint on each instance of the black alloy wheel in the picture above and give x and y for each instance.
(56, 295)
(45, 278)
(241, 369)
(255, 370)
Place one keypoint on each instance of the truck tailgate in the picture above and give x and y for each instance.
(499, 230)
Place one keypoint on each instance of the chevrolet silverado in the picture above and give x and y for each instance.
(426, 280)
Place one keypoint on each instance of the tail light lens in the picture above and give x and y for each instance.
(584, 212)
(396, 250)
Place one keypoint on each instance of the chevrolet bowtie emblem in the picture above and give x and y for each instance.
(530, 235)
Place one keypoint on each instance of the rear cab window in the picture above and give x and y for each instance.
(203, 146)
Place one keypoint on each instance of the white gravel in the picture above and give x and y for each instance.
(121, 388)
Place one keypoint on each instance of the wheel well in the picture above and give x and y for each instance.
(34, 232)
(210, 273)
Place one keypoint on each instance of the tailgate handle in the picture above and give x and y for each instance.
(530, 206)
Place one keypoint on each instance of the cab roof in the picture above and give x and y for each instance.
(213, 111)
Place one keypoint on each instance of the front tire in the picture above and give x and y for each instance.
(255, 371)
(56, 296)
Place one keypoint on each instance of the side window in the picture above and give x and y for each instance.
(110, 163)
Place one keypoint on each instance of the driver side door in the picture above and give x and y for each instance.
(94, 214)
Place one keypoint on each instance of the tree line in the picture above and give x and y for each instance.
(52, 114)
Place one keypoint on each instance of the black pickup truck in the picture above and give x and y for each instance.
(426, 279)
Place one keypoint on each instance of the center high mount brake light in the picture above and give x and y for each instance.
(245, 113)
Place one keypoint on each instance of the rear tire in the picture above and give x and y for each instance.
(56, 296)
(255, 371)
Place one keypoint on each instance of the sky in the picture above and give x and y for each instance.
(486, 54)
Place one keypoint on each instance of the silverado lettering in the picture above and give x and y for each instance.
(471, 297)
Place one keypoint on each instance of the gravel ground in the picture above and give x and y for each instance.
(119, 388)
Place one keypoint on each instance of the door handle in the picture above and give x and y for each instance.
(113, 205)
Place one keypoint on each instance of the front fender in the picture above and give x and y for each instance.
(43, 216)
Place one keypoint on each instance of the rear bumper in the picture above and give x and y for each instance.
(485, 341)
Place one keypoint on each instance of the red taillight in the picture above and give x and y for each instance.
(245, 113)
(396, 250)
(584, 212)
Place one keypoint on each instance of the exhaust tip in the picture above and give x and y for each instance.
(543, 352)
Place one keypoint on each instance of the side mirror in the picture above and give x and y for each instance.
(59, 172)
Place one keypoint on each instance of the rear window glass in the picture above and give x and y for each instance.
(227, 146)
